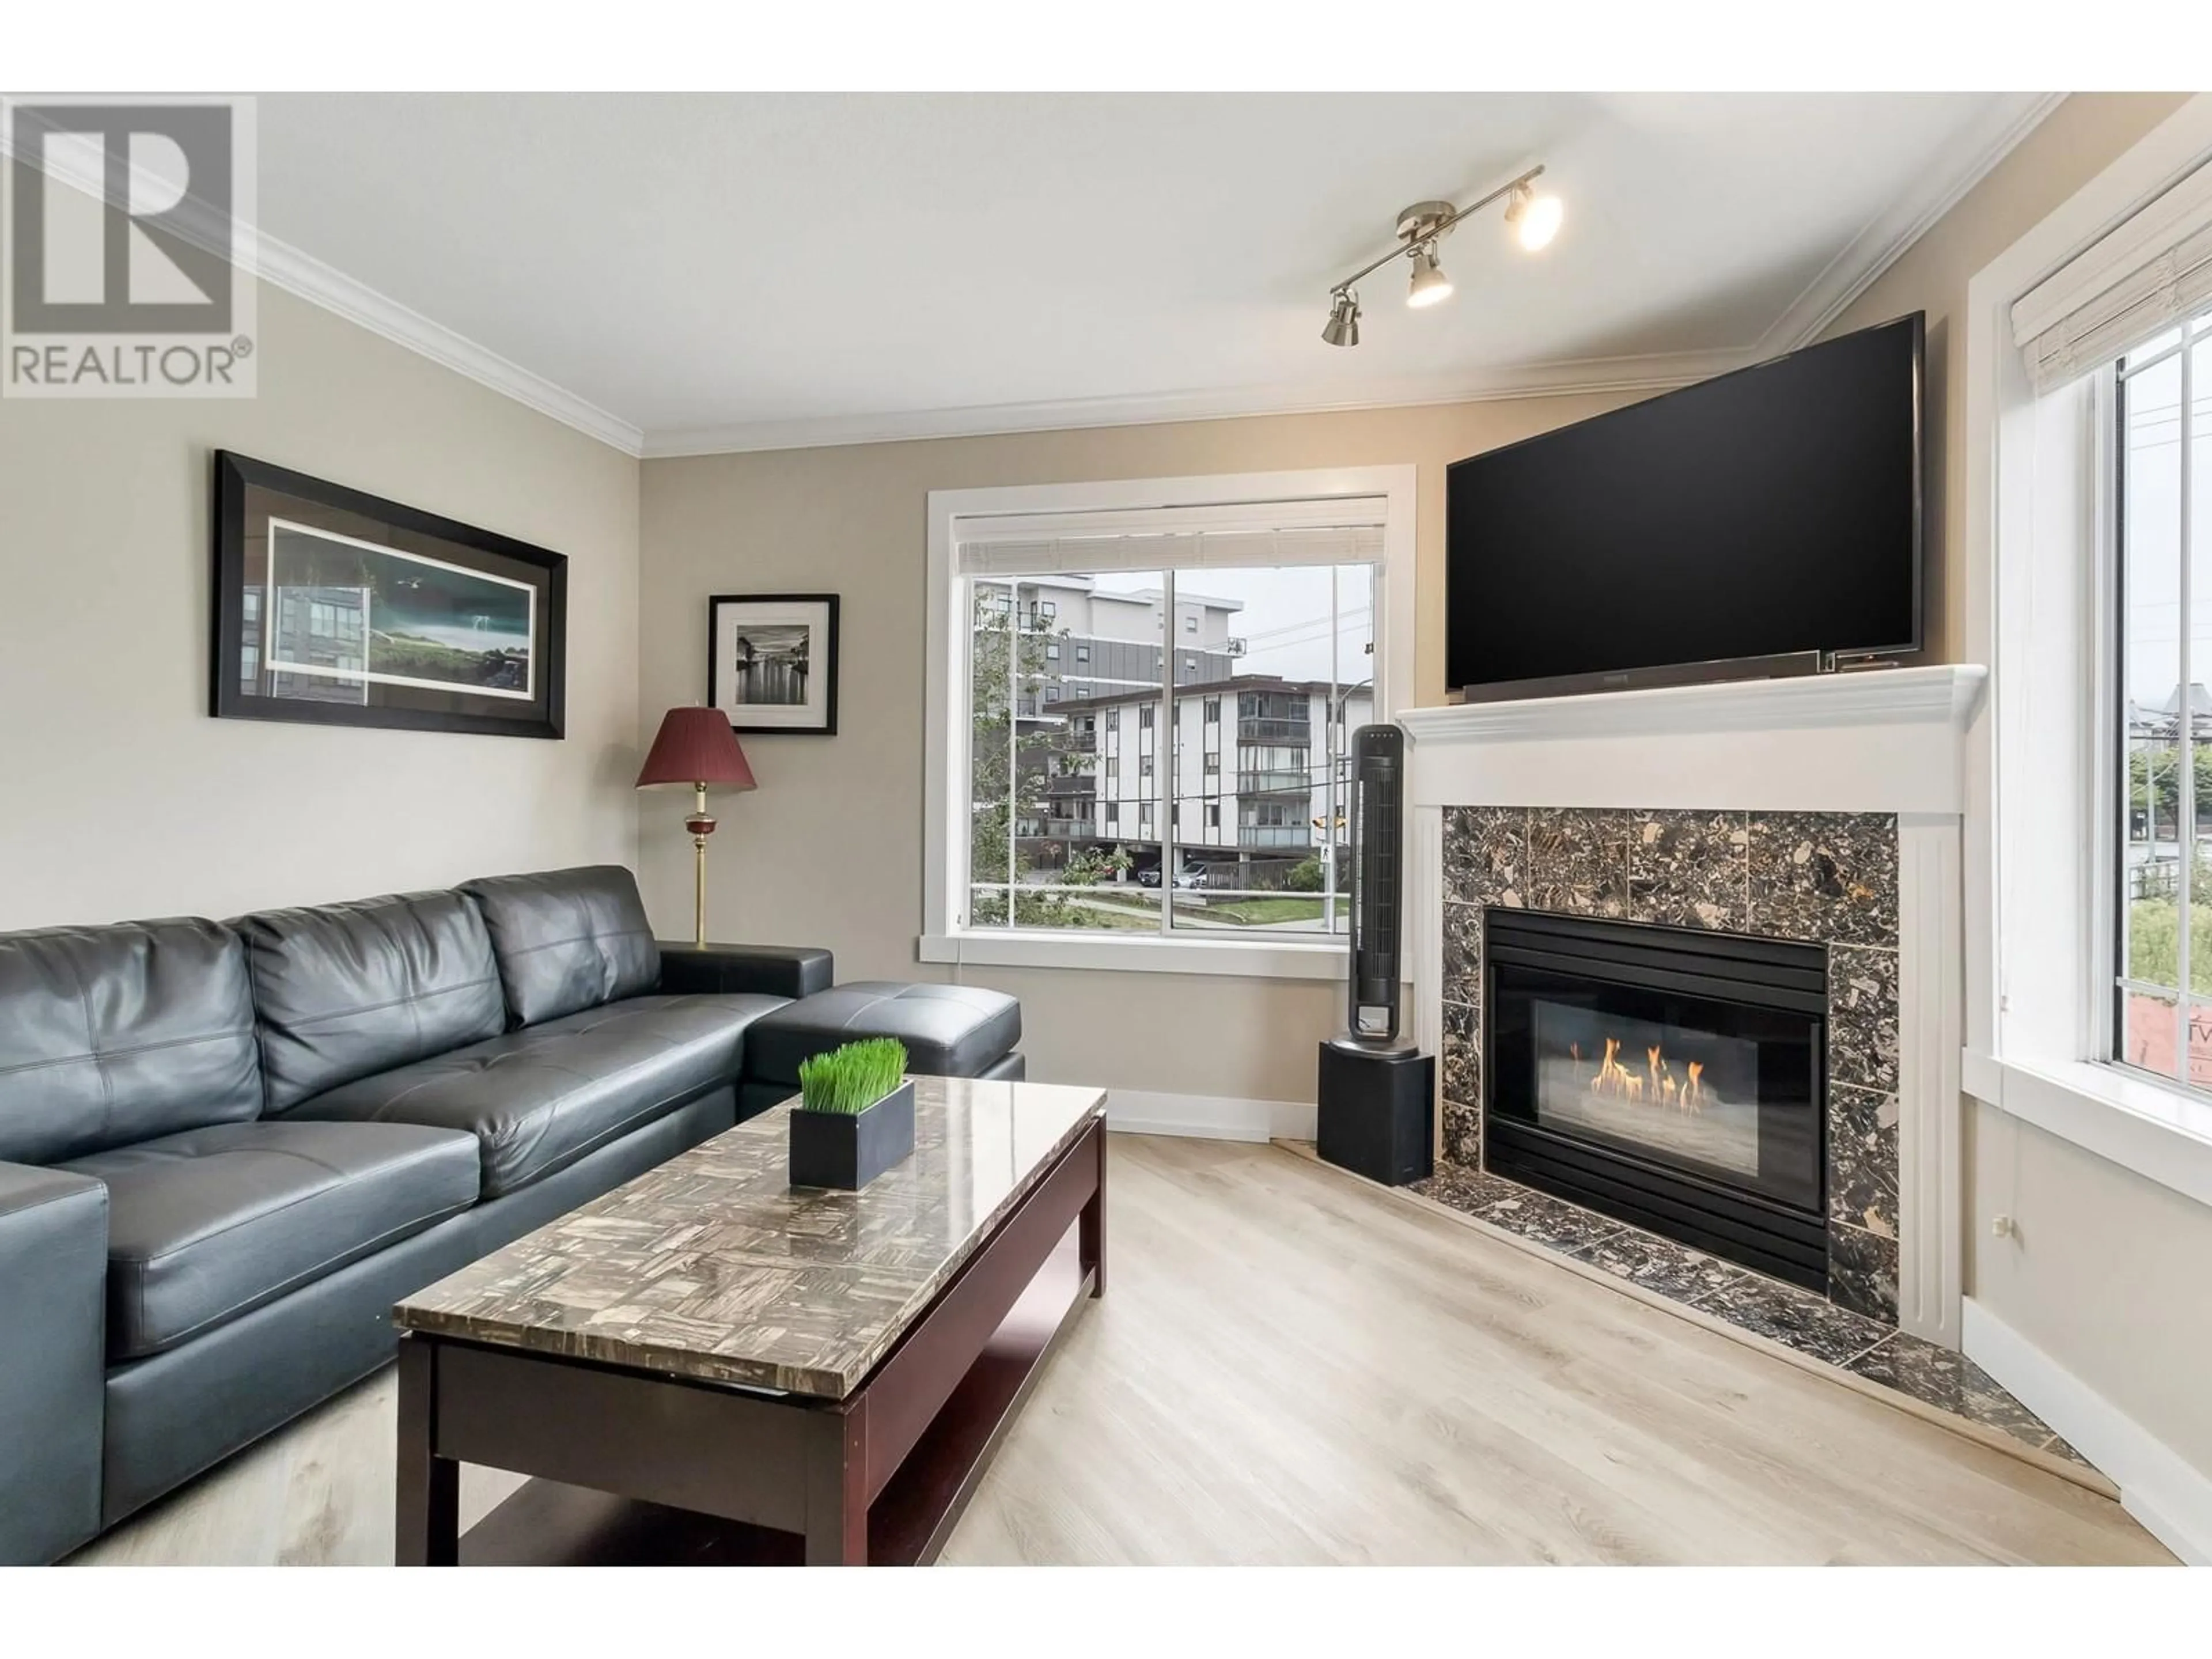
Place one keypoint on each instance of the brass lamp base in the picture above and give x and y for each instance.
(700, 827)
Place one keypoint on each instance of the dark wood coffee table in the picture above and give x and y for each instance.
(708, 1364)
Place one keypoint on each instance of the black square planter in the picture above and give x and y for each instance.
(850, 1149)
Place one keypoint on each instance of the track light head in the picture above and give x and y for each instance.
(1343, 329)
(1430, 283)
(1533, 219)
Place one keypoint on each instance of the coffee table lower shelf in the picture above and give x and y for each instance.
(631, 1468)
(546, 1523)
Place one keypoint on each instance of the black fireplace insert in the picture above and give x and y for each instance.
(1673, 1077)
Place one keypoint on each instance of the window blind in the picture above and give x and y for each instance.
(1301, 533)
(2136, 282)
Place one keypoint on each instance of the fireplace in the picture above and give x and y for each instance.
(1671, 1077)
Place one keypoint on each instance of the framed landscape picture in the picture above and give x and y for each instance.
(344, 608)
(772, 661)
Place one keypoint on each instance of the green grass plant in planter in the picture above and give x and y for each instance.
(854, 1078)
(855, 1115)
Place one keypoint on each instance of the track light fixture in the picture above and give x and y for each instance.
(1343, 319)
(1533, 219)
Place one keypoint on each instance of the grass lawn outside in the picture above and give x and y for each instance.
(1257, 912)
(1088, 912)
(1124, 912)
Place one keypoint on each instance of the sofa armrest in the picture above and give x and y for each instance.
(776, 970)
(53, 1343)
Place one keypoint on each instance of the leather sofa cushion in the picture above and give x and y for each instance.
(113, 1034)
(568, 939)
(345, 990)
(170, 1415)
(538, 1100)
(950, 1031)
(206, 1225)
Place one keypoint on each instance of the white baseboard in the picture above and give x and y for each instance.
(1207, 1117)
(2171, 1499)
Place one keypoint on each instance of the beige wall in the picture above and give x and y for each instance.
(2080, 139)
(122, 798)
(829, 850)
(2108, 1274)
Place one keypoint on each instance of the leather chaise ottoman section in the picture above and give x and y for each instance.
(539, 1099)
(207, 1226)
(949, 1030)
(185, 1410)
(53, 1264)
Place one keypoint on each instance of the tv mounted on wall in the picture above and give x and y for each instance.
(1765, 522)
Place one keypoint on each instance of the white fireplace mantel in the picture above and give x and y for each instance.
(1887, 740)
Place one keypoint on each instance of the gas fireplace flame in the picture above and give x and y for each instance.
(1656, 1084)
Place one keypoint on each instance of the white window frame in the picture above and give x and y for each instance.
(944, 816)
(2042, 770)
(2113, 805)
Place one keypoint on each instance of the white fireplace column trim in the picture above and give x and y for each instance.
(1883, 741)
(1930, 1161)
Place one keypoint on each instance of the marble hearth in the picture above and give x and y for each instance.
(1826, 809)
(1829, 878)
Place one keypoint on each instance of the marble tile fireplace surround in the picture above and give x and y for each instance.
(1825, 811)
(1825, 878)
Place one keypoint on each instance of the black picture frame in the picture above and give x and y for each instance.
(244, 488)
(816, 717)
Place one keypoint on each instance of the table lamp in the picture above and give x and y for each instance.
(696, 747)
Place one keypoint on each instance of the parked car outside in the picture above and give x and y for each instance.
(1186, 879)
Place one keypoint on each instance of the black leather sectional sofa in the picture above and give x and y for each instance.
(226, 1149)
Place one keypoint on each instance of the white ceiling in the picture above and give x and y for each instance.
(691, 272)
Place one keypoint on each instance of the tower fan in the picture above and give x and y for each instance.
(1378, 754)
(1375, 1090)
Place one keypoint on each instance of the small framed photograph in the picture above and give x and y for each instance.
(339, 608)
(772, 661)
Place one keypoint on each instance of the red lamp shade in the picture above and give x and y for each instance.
(697, 746)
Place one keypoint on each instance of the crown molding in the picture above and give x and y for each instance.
(269, 259)
(1905, 219)
(1658, 373)
(284, 266)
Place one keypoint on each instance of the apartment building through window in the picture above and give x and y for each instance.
(1082, 842)
(1249, 641)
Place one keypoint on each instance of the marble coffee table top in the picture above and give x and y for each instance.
(714, 1267)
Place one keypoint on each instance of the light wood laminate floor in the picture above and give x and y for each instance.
(1291, 1367)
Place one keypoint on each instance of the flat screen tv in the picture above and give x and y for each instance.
(1768, 514)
